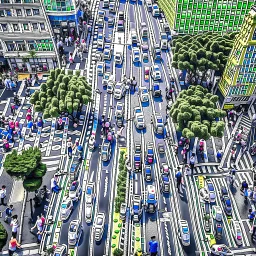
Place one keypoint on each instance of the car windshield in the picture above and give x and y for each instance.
(106, 76)
(228, 202)
(210, 187)
(73, 186)
(145, 91)
(155, 7)
(99, 66)
(156, 69)
(140, 120)
(117, 57)
(136, 53)
(89, 191)
(165, 178)
(148, 171)
(137, 110)
(99, 221)
(119, 107)
(156, 87)
(150, 151)
(73, 228)
(105, 148)
(159, 120)
(64, 206)
(136, 207)
(185, 230)
(151, 196)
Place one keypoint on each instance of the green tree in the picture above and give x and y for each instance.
(27, 166)
(61, 93)
(200, 54)
(196, 114)
(3, 236)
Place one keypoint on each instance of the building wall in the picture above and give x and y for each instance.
(195, 16)
(239, 77)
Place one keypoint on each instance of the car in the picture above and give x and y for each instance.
(105, 3)
(144, 47)
(134, 36)
(119, 109)
(237, 232)
(156, 90)
(155, 10)
(166, 28)
(151, 202)
(112, 6)
(74, 232)
(218, 230)
(155, 73)
(161, 148)
(107, 54)
(145, 56)
(66, 208)
(156, 52)
(120, 25)
(220, 250)
(207, 223)
(143, 94)
(149, 154)
(136, 210)
(89, 192)
(137, 147)
(111, 21)
(61, 250)
(148, 4)
(183, 231)
(164, 41)
(106, 78)
(217, 213)
(165, 168)
(147, 173)
(101, 16)
(226, 201)
(75, 191)
(118, 58)
(101, 68)
(144, 30)
(123, 211)
(146, 73)
(165, 183)
(136, 54)
(100, 44)
(99, 226)
(138, 118)
(121, 15)
(119, 91)
(74, 170)
(88, 212)
(110, 86)
(106, 151)
(211, 191)
(158, 123)
(204, 194)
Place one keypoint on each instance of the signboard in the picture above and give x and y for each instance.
(228, 106)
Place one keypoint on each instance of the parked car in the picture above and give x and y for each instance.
(123, 211)
(106, 151)
(99, 226)
(75, 191)
(119, 91)
(66, 208)
(184, 234)
(143, 94)
(119, 109)
(74, 232)
(155, 72)
(220, 250)
(61, 250)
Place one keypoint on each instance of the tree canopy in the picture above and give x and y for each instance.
(200, 53)
(196, 113)
(26, 165)
(61, 93)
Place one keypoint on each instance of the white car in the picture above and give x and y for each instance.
(107, 54)
(184, 234)
(155, 11)
(74, 232)
(217, 213)
(100, 44)
(237, 232)
(61, 250)
(155, 72)
(143, 94)
(88, 212)
(148, 3)
(204, 194)
(106, 78)
(138, 117)
(119, 109)
(119, 58)
(101, 68)
(89, 192)
(220, 250)
(75, 191)
(110, 86)
(66, 208)
(99, 226)
(119, 91)
(211, 191)
(136, 54)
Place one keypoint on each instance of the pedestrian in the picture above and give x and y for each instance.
(39, 237)
(66, 41)
(71, 59)
(69, 147)
(8, 213)
(13, 245)
(70, 39)
(54, 185)
(14, 224)
(128, 83)
(178, 178)
(134, 83)
(107, 125)
(30, 126)
(153, 246)
(192, 162)
(7, 83)
(40, 124)
(42, 219)
(28, 115)
(38, 225)
(13, 109)
(83, 45)
(64, 60)
(187, 170)
(80, 53)
(3, 195)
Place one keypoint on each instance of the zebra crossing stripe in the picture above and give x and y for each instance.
(65, 135)
(48, 150)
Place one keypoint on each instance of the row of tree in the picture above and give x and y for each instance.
(199, 54)
(196, 114)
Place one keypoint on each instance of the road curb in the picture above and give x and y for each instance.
(22, 215)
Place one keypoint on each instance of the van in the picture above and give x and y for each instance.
(134, 36)
(158, 123)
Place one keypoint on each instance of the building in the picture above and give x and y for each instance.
(238, 83)
(196, 16)
(63, 15)
(26, 36)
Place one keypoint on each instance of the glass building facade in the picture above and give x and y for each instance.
(195, 16)
(238, 82)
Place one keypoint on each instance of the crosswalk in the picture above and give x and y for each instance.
(52, 162)
(206, 169)
(245, 125)
(244, 161)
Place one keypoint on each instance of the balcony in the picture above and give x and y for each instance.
(33, 35)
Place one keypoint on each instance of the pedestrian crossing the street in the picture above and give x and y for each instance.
(245, 125)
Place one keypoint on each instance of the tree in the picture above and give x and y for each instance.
(62, 93)
(28, 166)
(3, 236)
(196, 113)
(199, 54)
(118, 252)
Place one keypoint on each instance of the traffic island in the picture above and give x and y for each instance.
(137, 237)
(116, 231)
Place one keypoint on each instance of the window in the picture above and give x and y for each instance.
(2, 13)
(25, 27)
(8, 12)
(20, 46)
(10, 46)
(254, 35)
(19, 12)
(31, 45)
(35, 11)
(28, 1)
(5, 1)
(17, 1)
(4, 27)
(16, 27)
(42, 26)
(28, 12)
(34, 25)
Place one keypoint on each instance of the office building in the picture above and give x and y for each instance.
(196, 16)
(26, 36)
(238, 83)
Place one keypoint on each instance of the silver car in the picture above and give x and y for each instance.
(119, 91)
(106, 151)
(88, 212)
(99, 226)
(66, 208)
(75, 191)
(119, 109)
(74, 232)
